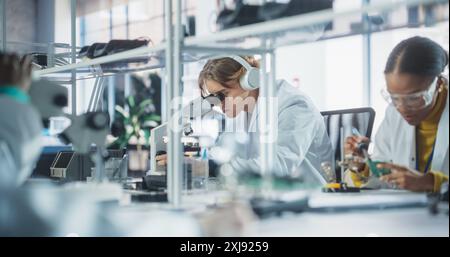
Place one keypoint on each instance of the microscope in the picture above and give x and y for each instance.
(90, 128)
(200, 108)
(84, 131)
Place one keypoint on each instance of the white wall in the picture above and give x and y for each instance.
(205, 17)
(303, 66)
(330, 72)
(20, 24)
(62, 21)
(344, 73)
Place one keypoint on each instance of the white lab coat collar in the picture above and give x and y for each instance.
(442, 139)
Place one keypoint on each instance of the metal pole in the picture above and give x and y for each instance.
(127, 89)
(169, 80)
(176, 159)
(99, 165)
(268, 122)
(112, 79)
(272, 112)
(172, 171)
(212, 51)
(263, 113)
(367, 58)
(99, 106)
(342, 144)
(110, 24)
(163, 97)
(3, 21)
(111, 98)
(127, 26)
(93, 94)
(164, 79)
(73, 30)
(99, 95)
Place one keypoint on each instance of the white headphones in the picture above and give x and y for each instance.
(250, 80)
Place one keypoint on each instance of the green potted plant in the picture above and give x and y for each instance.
(131, 127)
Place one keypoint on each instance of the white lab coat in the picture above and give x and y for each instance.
(302, 142)
(395, 142)
(20, 134)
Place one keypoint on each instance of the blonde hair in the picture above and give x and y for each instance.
(224, 70)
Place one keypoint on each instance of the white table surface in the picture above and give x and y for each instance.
(402, 222)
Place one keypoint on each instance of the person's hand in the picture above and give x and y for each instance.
(406, 178)
(351, 150)
(15, 71)
(351, 145)
(161, 160)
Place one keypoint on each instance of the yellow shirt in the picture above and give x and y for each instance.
(425, 136)
(426, 133)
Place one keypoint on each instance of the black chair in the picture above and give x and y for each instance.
(339, 126)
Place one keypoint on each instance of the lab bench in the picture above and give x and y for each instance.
(383, 213)
(414, 222)
(43, 209)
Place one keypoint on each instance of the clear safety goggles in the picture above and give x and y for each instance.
(206, 94)
(416, 101)
(219, 96)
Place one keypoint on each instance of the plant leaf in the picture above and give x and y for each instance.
(151, 117)
(121, 111)
(144, 103)
(131, 102)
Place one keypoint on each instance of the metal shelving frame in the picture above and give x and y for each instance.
(230, 41)
(3, 25)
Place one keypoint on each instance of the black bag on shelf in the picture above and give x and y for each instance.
(241, 16)
(97, 50)
(39, 59)
(117, 46)
(89, 51)
(42, 60)
(271, 10)
(114, 46)
(83, 51)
